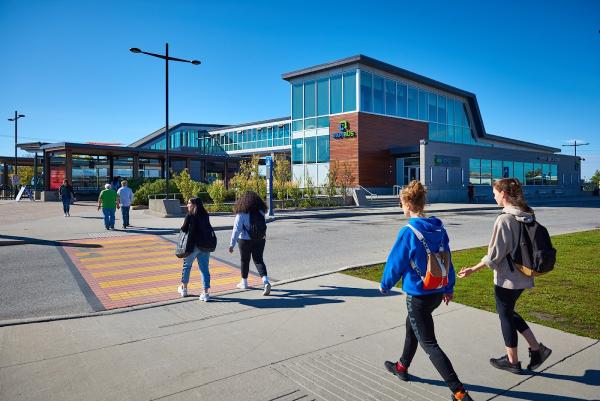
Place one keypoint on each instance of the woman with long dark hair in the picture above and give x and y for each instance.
(249, 231)
(509, 282)
(195, 224)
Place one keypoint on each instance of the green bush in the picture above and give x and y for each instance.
(217, 192)
(186, 186)
(140, 197)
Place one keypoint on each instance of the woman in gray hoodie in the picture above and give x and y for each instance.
(509, 282)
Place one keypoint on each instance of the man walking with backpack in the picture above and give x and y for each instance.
(250, 231)
(506, 258)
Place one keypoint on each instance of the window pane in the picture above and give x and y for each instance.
(366, 91)
(297, 125)
(432, 106)
(507, 170)
(412, 102)
(310, 123)
(529, 174)
(323, 148)
(474, 171)
(442, 133)
(401, 106)
(350, 91)
(335, 94)
(450, 107)
(537, 173)
(423, 99)
(496, 169)
(323, 122)
(451, 137)
(441, 110)
(390, 97)
(310, 149)
(546, 174)
(309, 99)
(323, 97)
(378, 94)
(486, 172)
(518, 172)
(297, 101)
(553, 174)
(297, 151)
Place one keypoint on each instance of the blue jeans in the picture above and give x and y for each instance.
(125, 214)
(66, 204)
(202, 265)
(109, 217)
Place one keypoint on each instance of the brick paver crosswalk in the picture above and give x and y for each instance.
(141, 269)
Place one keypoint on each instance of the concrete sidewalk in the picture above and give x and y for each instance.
(318, 339)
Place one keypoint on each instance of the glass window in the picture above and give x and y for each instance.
(554, 174)
(432, 106)
(529, 174)
(441, 109)
(378, 104)
(546, 174)
(366, 91)
(442, 133)
(450, 110)
(537, 173)
(323, 122)
(518, 172)
(310, 123)
(451, 135)
(401, 106)
(297, 101)
(459, 114)
(323, 97)
(309, 99)
(310, 149)
(413, 95)
(335, 94)
(323, 148)
(423, 99)
(496, 170)
(350, 91)
(297, 125)
(486, 172)
(507, 169)
(475, 171)
(297, 151)
(390, 97)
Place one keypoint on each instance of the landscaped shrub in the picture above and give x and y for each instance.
(186, 186)
(140, 197)
(217, 192)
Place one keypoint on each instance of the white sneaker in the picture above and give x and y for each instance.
(267, 289)
(204, 297)
(242, 285)
(182, 291)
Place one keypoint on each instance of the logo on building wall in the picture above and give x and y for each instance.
(344, 131)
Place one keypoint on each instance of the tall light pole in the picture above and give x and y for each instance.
(167, 58)
(575, 144)
(15, 119)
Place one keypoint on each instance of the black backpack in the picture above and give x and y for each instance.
(207, 240)
(258, 226)
(534, 254)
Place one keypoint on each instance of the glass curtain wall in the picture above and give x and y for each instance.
(149, 168)
(484, 172)
(254, 138)
(90, 173)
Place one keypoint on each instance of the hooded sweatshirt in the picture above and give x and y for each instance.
(505, 239)
(408, 247)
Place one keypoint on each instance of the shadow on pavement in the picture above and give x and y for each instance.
(36, 241)
(523, 395)
(282, 298)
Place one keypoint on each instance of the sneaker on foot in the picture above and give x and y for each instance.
(267, 289)
(204, 297)
(397, 369)
(182, 291)
(504, 364)
(538, 357)
(241, 285)
(461, 396)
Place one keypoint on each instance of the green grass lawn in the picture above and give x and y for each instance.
(568, 298)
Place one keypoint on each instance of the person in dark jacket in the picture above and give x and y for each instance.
(408, 260)
(196, 218)
(67, 195)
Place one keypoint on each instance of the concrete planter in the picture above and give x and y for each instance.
(165, 207)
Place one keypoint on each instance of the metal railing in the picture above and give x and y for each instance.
(371, 194)
(396, 190)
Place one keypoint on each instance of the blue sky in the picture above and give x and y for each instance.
(534, 65)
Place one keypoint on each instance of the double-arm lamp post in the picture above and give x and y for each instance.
(167, 58)
(17, 116)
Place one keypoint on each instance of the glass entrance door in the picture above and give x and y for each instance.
(412, 173)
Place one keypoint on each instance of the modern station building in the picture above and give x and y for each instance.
(386, 124)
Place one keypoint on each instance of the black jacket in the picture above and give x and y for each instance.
(193, 226)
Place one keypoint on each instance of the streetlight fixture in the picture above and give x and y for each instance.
(17, 116)
(167, 58)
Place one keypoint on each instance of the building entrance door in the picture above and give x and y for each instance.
(412, 173)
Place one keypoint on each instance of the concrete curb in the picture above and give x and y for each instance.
(45, 319)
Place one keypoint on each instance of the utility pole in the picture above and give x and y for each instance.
(575, 144)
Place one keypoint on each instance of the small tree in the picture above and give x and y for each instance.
(596, 179)
(309, 188)
(217, 192)
(294, 192)
(282, 174)
(332, 179)
(346, 179)
(188, 187)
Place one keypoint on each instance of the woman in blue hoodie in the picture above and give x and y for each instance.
(408, 260)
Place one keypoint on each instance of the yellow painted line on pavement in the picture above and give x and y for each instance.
(169, 288)
(128, 255)
(124, 251)
(131, 262)
(216, 269)
(126, 239)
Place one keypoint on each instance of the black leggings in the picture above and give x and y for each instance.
(254, 248)
(510, 321)
(420, 330)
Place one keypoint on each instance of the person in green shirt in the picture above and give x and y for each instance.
(109, 202)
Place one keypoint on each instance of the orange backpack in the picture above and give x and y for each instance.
(438, 265)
